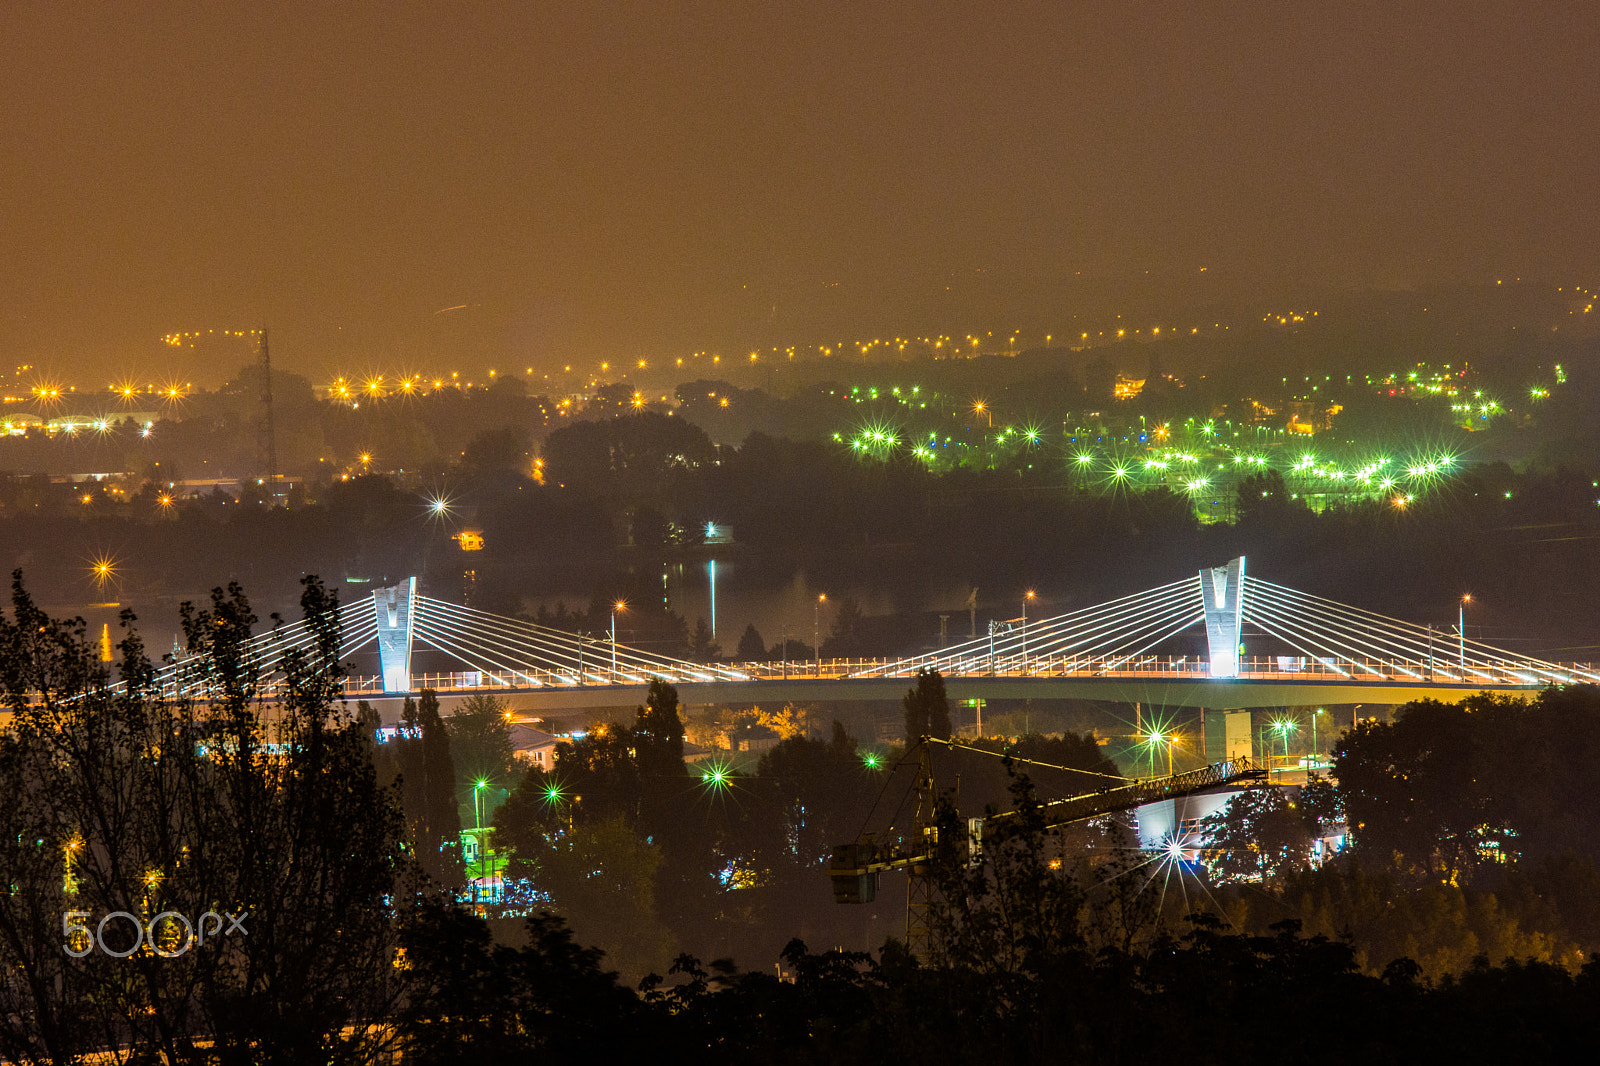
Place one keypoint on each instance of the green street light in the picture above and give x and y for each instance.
(1155, 738)
(1283, 727)
(716, 776)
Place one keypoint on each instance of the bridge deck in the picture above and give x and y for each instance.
(1160, 684)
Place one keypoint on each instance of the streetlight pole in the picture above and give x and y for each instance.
(1155, 738)
(816, 629)
(1026, 597)
(620, 605)
(1461, 626)
(477, 836)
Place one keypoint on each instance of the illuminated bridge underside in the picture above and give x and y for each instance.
(1123, 651)
(1199, 692)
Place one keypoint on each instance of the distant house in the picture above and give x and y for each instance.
(534, 746)
(693, 753)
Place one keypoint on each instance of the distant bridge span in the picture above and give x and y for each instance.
(1267, 646)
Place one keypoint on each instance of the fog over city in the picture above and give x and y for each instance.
(544, 184)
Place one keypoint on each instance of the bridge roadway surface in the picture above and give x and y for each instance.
(1175, 691)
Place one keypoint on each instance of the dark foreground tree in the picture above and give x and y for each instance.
(218, 798)
(419, 760)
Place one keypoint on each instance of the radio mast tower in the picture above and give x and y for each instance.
(268, 441)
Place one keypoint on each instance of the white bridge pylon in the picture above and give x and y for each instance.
(1309, 634)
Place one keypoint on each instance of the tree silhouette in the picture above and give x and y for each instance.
(751, 648)
(1257, 835)
(927, 708)
(420, 757)
(702, 647)
(480, 741)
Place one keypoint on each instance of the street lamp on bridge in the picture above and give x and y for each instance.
(816, 629)
(1025, 598)
(1461, 626)
(620, 605)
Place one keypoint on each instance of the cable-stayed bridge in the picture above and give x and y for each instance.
(1214, 640)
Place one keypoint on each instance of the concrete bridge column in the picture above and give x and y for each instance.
(1222, 591)
(393, 608)
(1226, 735)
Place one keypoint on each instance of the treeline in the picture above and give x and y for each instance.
(1467, 828)
(1209, 996)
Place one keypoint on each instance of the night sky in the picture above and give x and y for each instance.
(611, 180)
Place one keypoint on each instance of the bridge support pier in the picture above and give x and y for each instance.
(393, 609)
(1226, 735)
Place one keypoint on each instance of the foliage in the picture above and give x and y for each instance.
(812, 784)
(927, 708)
(480, 742)
(1264, 499)
(473, 1001)
(658, 732)
(498, 449)
(1442, 928)
(596, 836)
(418, 760)
(1258, 835)
(244, 796)
(1459, 791)
(636, 457)
(1014, 912)
(751, 649)
(1321, 806)
(718, 726)
(702, 647)
(601, 876)
(845, 637)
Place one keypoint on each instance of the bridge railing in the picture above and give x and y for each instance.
(1275, 668)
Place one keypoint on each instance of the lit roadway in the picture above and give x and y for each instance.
(1162, 686)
